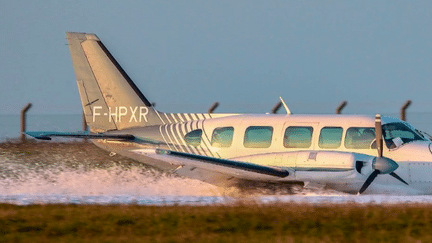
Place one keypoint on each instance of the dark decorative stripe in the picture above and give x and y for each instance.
(190, 126)
(164, 118)
(170, 140)
(323, 169)
(124, 74)
(173, 136)
(167, 118)
(177, 116)
(232, 164)
(162, 136)
(180, 138)
(205, 136)
(183, 117)
(159, 115)
(176, 137)
(190, 117)
(199, 148)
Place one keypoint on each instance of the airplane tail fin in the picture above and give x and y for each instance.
(110, 99)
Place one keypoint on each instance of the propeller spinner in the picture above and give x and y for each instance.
(380, 165)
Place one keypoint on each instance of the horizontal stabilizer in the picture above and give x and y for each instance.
(122, 137)
(48, 135)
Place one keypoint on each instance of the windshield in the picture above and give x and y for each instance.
(395, 134)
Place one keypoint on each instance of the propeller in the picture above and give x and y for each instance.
(380, 164)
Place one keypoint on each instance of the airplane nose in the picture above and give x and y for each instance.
(430, 148)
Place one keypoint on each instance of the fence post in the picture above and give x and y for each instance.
(213, 107)
(341, 106)
(403, 110)
(23, 120)
(276, 107)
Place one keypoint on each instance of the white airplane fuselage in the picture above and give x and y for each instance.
(348, 153)
(329, 156)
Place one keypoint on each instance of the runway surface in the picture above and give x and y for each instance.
(84, 174)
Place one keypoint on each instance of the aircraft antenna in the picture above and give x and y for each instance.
(285, 106)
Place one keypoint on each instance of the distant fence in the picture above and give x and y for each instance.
(420, 120)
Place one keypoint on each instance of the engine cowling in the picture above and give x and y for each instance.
(317, 166)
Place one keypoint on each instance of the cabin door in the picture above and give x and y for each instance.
(298, 136)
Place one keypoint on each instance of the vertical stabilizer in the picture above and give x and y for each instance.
(110, 99)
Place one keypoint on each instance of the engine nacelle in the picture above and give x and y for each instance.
(330, 166)
(320, 166)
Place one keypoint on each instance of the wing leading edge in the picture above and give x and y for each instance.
(238, 169)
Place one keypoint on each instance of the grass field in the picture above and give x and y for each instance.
(288, 222)
(237, 223)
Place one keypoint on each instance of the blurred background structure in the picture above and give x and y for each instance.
(187, 54)
(421, 121)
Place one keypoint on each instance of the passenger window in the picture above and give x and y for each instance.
(222, 137)
(330, 137)
(258, 137)
(359, 137)
(193, 138)
(298, 137)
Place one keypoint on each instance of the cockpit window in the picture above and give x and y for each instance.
(193, 138)
(359, 137)
(397, 133)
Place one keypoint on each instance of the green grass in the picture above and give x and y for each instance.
(238, 223)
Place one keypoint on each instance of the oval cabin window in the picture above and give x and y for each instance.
(193, 138)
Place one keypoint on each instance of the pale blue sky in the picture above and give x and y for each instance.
(184, 55)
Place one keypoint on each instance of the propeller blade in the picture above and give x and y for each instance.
(368, 181)
(380, 164)
(378, 135)
(398, 177)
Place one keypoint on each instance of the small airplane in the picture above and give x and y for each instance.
(348, 153)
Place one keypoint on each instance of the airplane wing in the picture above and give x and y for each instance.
(237, 169)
